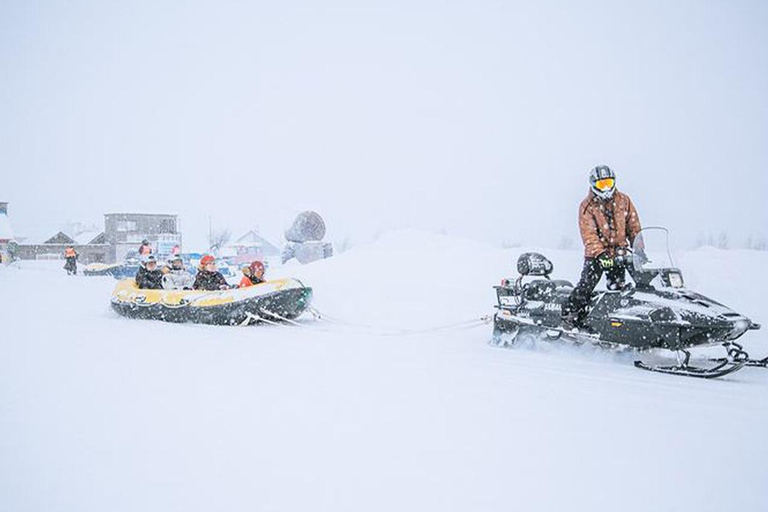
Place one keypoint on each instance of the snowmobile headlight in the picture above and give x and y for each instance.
(675, 280)
(739, 328)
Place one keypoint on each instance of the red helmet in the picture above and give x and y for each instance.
(207, 259)
(257, 268)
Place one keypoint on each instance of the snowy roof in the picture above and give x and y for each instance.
(86, 237)
(253, 239)
(6, 233)
(60, 238)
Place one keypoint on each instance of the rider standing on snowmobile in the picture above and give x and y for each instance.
(609, 223)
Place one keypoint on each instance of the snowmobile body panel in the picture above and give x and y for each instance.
(282, 298)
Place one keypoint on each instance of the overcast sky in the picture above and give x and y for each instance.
(481, 118)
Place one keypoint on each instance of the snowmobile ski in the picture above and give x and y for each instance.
(737, 360)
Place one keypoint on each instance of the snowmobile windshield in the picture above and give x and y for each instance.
(650, 250)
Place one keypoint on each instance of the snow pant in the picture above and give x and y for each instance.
(71, 266)
(590, 276)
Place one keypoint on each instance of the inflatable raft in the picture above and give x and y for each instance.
(281, 299)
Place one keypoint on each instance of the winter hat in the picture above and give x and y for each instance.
(207, 259)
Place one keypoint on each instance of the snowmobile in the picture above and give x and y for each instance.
(656, 312)
(116, 270)
(270, 302)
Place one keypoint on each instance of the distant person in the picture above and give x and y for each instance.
(176, 251)
(70, 255)
(177, 277)
(145, 249)
(609, 223)
(252, 274)
(208, 278)
(149, 277)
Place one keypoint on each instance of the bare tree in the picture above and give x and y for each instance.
(757, 243)
(722, 241)
(219, 238)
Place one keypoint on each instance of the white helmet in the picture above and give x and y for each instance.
(147, 259)
(602, 179)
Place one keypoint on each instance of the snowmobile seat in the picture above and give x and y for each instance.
(545, 289)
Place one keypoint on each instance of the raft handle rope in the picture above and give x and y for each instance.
(250, 316)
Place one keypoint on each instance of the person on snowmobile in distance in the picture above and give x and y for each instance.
(609, 223)
(70, 254)
(145, 249)
(176, 276)
(252, 274)
(149, 277)
(208, 278)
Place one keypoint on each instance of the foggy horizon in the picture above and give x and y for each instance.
(478, 120)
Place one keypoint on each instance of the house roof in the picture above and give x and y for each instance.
(87, 237)
(253, 239)
(60, 238)
(128, 215)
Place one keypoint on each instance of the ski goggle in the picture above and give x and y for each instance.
(605, 184)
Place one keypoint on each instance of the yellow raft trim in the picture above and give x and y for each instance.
(126, 291)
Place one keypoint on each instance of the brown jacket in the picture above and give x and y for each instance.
(607, 225)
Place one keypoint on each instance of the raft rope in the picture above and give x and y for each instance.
(319, 316)
(257, 318)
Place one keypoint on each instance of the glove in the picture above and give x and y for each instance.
(606, 262)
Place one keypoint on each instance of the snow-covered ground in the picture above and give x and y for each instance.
(377, 412)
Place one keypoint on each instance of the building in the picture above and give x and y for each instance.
(90, 247)
(124, 232)
(7, 240)
(6, 233)
(251, 246)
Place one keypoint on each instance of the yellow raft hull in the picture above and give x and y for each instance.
(271, 301)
